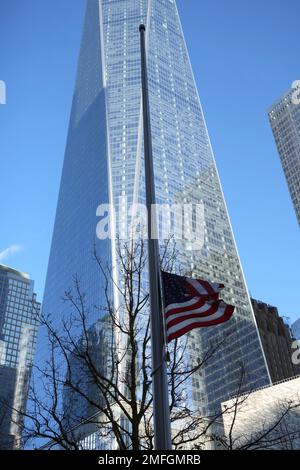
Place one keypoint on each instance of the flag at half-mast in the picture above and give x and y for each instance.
(192, 303)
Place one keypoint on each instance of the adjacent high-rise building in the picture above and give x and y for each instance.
(277, 341)
(19, 312)
(104, 164)
(284, 118)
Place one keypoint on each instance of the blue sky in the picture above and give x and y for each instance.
(245, 54)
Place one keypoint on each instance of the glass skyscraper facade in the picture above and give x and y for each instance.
(284, 117)
(18, 330)
(104, 163)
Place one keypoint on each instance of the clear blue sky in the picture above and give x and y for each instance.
(245, 54)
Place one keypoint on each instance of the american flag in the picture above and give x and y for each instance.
(192, 303)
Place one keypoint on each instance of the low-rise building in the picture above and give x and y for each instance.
(267, 418)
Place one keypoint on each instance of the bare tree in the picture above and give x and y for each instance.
(97, 379)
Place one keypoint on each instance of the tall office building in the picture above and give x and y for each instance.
(104, 163)
(277, 341)
(18, 329)
(284, 117)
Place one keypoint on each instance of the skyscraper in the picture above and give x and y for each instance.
(18, 329)
(284, 117)
(104, 163)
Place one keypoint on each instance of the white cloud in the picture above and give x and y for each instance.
(11, 250)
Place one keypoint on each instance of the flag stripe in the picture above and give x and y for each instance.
(204, 312)
(189, 325)
(172, 309)
(196, 286)
(201, 311)
(204, 288)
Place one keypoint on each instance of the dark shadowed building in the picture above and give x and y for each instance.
(277, 341)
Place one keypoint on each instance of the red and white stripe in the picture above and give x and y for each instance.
(195, 313)
(205, 289)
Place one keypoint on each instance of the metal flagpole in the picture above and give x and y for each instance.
(161, 413)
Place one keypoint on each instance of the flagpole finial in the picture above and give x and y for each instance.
(142, 27)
